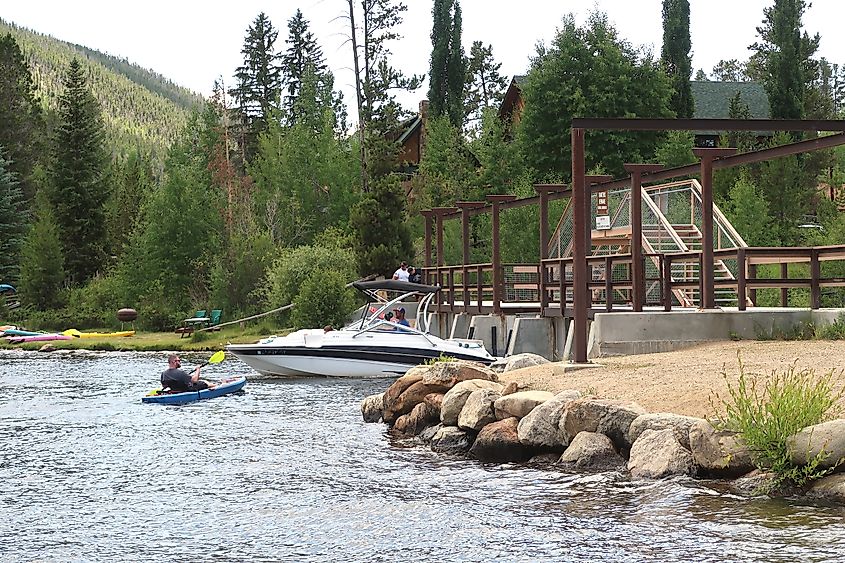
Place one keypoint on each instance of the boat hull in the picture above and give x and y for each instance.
(37, 338)
(340, 361)
(222, 389)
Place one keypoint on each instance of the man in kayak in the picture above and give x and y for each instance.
(178, 380)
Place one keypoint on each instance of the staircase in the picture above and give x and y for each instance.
(680, 201)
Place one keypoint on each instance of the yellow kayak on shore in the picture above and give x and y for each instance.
(76, 334)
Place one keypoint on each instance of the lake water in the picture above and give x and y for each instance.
(288, 471)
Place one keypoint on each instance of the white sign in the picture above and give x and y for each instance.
(602, 222)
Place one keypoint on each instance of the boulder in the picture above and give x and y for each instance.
(410, 397)
(399, 386)
(610, 417)
(519, 404)
(426, 435)
(517, 361)
(47, 348)
(421, 416)
(831, 487)
(660, 420)
(448, 374)
(544, 459)
(456, 397)
(372, 407)
(498, 442)
(591, 451)
(827, 437)
(541, 429)
(478, 410)
(451, 440)
(510, 388)
(719, 453)
(435, 401)
(754, 483)
(657, 454)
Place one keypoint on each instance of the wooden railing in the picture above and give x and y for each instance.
(546, 288)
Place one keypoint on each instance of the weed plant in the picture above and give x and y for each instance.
(440, 358)
(767, 411)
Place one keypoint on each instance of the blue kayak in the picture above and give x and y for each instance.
(20, 332)
(223, 388)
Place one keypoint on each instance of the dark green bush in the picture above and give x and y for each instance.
(323, 300)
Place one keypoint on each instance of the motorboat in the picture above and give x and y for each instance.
(372, 346)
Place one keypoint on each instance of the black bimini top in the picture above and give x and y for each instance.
(394, 285)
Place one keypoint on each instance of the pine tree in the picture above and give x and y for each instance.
(448, 63)
(42, 261)
(302, 52)
(456, 72)
(79, 189)
(730, 71)
(381, 235)
(786, 57)
(676, 55)
(13, 224)
(257, 81)
(485, 86)
(21, 124)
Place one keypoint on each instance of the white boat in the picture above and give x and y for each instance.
(370, 347)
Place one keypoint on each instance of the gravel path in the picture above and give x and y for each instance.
(684, 381)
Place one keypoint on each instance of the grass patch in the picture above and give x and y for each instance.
(767, 411)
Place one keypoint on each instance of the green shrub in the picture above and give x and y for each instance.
(323, 300)
(766, 412)
(832, 331)
(438, 359)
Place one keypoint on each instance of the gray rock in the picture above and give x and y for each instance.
(544, 459)
(591, 451)
(719, 453)
(754, 483)
(517, 361)
(498, 442)
(478, 410)
(456, 397)
(657, 454)
(607, 416)
(451, 440)
(827, 437)
(448, 374)
(371, 407)
(408, 399)
(831, 487)
(541, 429)
(426, 435)
(519, 404)
(659, 420)
(421, 416)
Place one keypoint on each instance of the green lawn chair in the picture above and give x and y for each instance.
(214, 317)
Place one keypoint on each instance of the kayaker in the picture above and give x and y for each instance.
(178, 380)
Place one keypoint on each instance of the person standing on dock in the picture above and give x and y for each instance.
(402, 273)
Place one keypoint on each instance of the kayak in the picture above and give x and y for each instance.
(223, 388)
(37, 338)
(19, 332)
(104, 334)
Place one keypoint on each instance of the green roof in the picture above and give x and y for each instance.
(713, 99)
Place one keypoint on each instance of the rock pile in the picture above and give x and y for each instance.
(459, 407)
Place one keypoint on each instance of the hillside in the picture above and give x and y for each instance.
(140, 107)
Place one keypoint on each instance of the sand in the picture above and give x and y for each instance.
(684, 381)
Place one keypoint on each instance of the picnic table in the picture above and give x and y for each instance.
(191, 324)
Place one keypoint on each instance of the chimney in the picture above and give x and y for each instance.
(424, 110)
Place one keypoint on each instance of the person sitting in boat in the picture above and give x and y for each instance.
(178, 381)
(400, 317)
(413, 275)
(402, 273)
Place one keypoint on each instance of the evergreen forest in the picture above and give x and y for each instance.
(119, 188)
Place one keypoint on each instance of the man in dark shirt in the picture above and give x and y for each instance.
(179, 381)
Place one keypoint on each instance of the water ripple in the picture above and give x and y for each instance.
(289, 472)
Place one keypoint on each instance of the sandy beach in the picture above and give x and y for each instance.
(684, 381)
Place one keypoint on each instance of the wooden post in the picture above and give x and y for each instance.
(706, 274)
(667, 281)
(544, 190)
(741, 293)
(498, 277)
(637, 263)
(784, 292)
(465, 207)
(815, 274)
(580, 230)
(427, 251)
